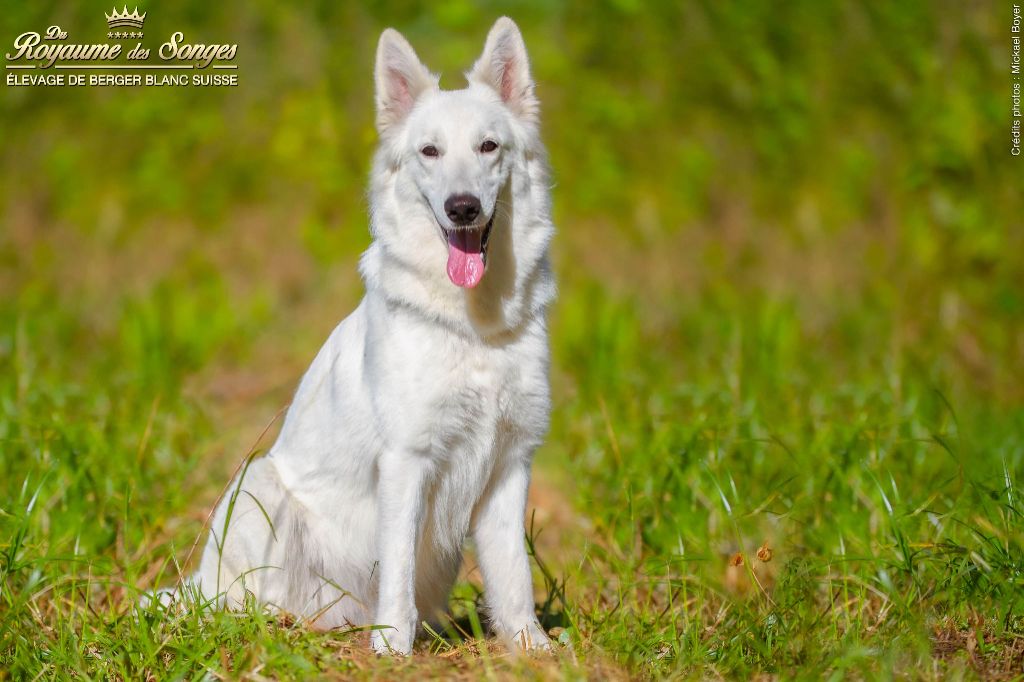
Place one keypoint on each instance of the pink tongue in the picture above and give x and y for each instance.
(465, 259)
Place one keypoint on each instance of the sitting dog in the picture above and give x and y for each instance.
(416, 424)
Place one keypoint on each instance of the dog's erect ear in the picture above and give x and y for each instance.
(505, 67)
(400, 79)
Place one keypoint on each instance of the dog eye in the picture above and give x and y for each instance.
(429, 150)
(488, 146)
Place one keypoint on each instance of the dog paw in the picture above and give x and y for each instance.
(531, 638)
(389, 641)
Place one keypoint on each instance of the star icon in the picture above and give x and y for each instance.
(109, 34)
(117, 34)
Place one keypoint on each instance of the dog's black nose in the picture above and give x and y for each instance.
(462, 209)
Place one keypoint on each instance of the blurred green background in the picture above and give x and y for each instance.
(790, 259)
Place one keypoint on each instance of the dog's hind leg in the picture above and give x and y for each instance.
(247, 543)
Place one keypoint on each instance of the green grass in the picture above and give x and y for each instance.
(790, 316)
(893, 512)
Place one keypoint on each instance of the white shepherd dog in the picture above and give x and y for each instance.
(416, 424)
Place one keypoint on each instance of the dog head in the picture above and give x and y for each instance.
(455, 193)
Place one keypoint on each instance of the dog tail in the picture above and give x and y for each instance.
(183, 596)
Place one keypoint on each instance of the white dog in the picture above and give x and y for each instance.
(417, 421)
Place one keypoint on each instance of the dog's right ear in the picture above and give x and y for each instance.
(400, 79)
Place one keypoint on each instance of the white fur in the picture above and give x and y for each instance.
(416, 424)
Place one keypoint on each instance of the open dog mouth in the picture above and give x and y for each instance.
(467, 253)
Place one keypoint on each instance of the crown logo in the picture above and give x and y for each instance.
(133, 20)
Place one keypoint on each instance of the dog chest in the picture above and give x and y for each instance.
(473, 399)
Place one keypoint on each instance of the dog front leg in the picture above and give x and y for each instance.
(400, 505)
(499, 536)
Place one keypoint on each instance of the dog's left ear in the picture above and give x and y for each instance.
(400, 78)
(505, 67)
